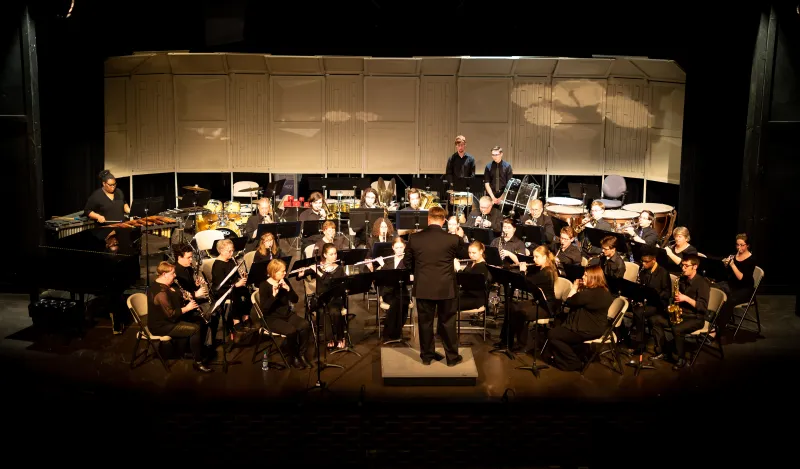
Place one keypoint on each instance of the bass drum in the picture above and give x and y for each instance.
(230, 230)
(204, 222)
(516, 197)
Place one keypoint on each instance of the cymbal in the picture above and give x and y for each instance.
(252, 189)
(195, 188)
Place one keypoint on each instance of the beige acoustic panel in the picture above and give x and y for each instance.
(661, 70)
(437, 122)
(480, 140)
(667, 107)
(381, 66)
(343, 65)
(627, 118)
(287, 65)
(246, 63)
(198, 64)
(625, 68)
(155, 123)
(201, 120)
(535, 67)
(484, 100)
(344, 123)
(390, 112)
(297, 126)
(582, 67)
(486, 66)
(576, 149)
(447, 66)
(531, 118)
(577, 100)
(124, 65)
(664, 162)
(249, 122)
(119, 125)
(156, 64)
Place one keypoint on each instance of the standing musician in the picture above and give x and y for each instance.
(692, 296)
(454, 228)
(369, 198)
(430, 257)
(682, 248)
(656, 277)
(240, 298)
(644, 232)
(508, 244)
(610, 260)
(326, 272)
(251, 229)
(487, 216)
(382, 232)
(107, 202)
(496, 175)
(461, 164)
(536, 217)
(317, 211)
(164, 313)
(588, 302)
(276, 296)
(595, 220)
(268, 249)
(567, 253)
(329, 237)
(398, 306)
(543, 277)
(740, 284)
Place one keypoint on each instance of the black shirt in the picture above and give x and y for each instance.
(459, 168)
(495, 216)
(657, 279)
(648, 234)
(506, 173)
(746, 267)
(699, 290)
(569, 256)
(163, 308)
(589, 311)
(276, 306)
(99, 203)
(544, 221)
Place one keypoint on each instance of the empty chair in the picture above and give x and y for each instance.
(614, 191)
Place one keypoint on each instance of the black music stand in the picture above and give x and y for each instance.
(274, 188)
(534, 234)
(342, 184)
(258, 271)
(511, 281)
(239, 243)
(713, 269)
(429, 185)
(299, 264)
(393, 278)
(573, 272)
(644, 294)
(472, 185)
(412, 219)
(492, 256)
(346, 286)
(352, 256)
(324, 299)
(311, 227)
(665, 261)
(558, 225)
(140, 208)
(381, 250)
(541, 303)
(194, 199)
(596, 237)
(468, 281)
(583, 191)
(364, 218)
(284, 229)
(218, 305)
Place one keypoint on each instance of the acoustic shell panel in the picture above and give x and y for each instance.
(666, 132)
(390, 105)
(155, 123)
(119, 125)
(437, 122)
(531, 117)
(484, 117)
(297, 127)
(201, 123)
(627, 119)
(249, 123)
(344, 123)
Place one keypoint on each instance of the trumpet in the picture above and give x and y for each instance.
(630, 224)
(583, 224)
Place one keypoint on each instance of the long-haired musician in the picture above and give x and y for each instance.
(369, 198)
(276, 295)
(682, 248)
(397, 300)
(164, 312)
(692, 297)
(240, 297)
(740, 284)
(268, 249)
(316, 208)
(106, 203)
(326, 272)
(264, 215)
(474, 299)
(536, 217)
(588, 302)
(382, 232)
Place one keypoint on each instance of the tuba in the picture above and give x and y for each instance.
(675, 311)
(427, 201)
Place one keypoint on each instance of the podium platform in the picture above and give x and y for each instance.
(402, 366)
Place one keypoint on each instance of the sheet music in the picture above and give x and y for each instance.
(230, 274)
(221, 299)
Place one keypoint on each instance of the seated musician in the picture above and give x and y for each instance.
(656, 277)
(316, 210)
(543, 276)
(369, 198)
(682, 248)
(644, 233)
(276, 296)
(589, 301)
(692, 296)
(536, 217)
(329, 236)
(610, 260)
(453, 228)
(326, 272)
(164, 314)
(508, 244)
(414, 199)
(595, 220)
(106, 203)
(240, 296)
(186, 276)
(740, 284)
(382, 232)
(487, 216)
(264, 215)
(567, 253)
(268, 249)
(398, 307)
(474, 299)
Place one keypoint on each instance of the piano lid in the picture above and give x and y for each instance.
(113, 241)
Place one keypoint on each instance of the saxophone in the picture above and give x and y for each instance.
(675, 311)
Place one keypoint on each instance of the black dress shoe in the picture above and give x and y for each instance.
(455, 362)
(427, 361)
(198, 366)
(297, 363)
(438, 356)
(660, 356)
(681, 363)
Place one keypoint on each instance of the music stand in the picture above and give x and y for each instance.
(429, 184)
(484, 235)
(412, 219)
(399, 278)
(596, 237)
(534, 234)
(492, 256)
(194, 199)
(471, 185)
(283, 229)
(643, 294)
(349, 257)
(573, 272)
(510, 281)
(311, 227)
(140, 208)
(324, 299)
(583, 191)
(540, 302)
(713, 269)
(558, 225)
(273, 188)
(381, 250)
(342, 184)
(298, 264)
(468, 281)
(364, 218)
(346, 286)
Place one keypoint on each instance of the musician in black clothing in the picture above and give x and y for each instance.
(682, 249)
(164, 313)
(240, 297)
(329, 236)
(740, 283)
(610, 261)
(536, 217)
(567, 253)
(595, 220)
(325, 273)
(317, 208)
(496, 175)
(382, 232)
(656, 277)
(508, 244)
(397, 300)
(461, 164)
(107, 202)
(264, 215)
(276, 296)
(474, 299)
(487, 216)
(692, 296)
(267, 249)
(644, 233)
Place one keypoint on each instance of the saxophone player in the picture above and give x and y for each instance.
(692, 297)
(240, 296)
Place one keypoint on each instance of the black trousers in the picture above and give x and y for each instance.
(296, 330)
(335, 319)
(522, 311)
(397, 315)
(648, 312)
(735, 297)
(240, 305)
(678, 331)
(564, 344)
(447, 328)
(191, 331)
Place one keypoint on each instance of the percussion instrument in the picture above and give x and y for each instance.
(461, 198)
(228, 228)
(568, 201)
(213, 206)
(568, 213)
(617, 218)
(204, 222)
(664, 221)
(517, 195)
(195, 188)
(233, 206)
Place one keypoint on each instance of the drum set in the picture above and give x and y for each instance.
(230, 217)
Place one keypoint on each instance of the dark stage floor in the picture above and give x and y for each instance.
(80, 391)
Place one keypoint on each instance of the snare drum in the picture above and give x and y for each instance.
(233, 206)
(664, 221)
(461, 198)
(570, 214)
(568, 201)
(618, 218)
(213, 206)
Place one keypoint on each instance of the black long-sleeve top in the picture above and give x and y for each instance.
(268, 257)
(657, 279)
(458, 167)
(325, 282)
(163, 308)
(699, 290)
(219, 270)
(746, 267)
(544, 221)
(477, 268)
(495, 216)
(569, 256)
(99, 203)
(276, 306)
(589, 311)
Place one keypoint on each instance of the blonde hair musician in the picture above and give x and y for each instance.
(474, 299)
(276, 295)
(240, 297)
(267, 249)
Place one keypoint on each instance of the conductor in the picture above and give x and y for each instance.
(430, 256)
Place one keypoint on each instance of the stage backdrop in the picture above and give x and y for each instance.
(184, 112)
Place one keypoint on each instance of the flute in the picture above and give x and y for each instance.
(368, 261)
